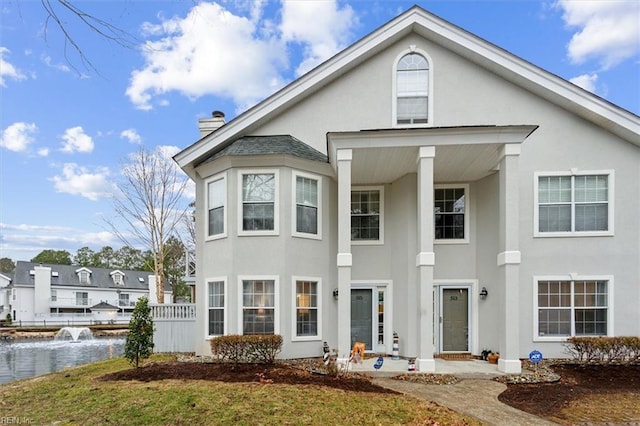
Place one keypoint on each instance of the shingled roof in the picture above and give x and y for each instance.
(269, 145)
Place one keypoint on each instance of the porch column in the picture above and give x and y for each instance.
(509, 260)
(425, 259)
(344, 260)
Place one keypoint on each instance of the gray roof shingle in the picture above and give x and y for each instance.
(65, 275)
(269, 145)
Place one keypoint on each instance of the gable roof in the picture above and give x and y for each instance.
(268, 145)
(66, 275)
(510, 67)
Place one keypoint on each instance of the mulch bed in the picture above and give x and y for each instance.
(245, 373)
(576, 381)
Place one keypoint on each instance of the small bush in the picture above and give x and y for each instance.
(608, 350)
(260, 349)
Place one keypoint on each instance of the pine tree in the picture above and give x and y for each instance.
(139, 344)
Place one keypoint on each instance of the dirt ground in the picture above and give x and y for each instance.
(576, 382)
(544, 399)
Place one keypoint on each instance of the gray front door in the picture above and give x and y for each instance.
(455, 319)
(362, 317)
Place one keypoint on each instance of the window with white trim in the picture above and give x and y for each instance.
(216, 201)
(306, 308)
(216, 304)
(118, 278)
(54, 295)
(412, 89)
(450, 205)
(258, 306)
(572, 307)
(259, 210)
(574, 204)
(124, 299)
(82, 298)
(367, 208)
(307, 204)
(84, 276)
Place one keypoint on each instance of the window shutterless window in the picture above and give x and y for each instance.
(306, 308)
(82, 298)
(572, 308)
(578, 204)
(307, 205)
(366, 215)
(450, 213)
(259, 202)
(412, 89)
(215, 308)
(258, 307)
(216, 201)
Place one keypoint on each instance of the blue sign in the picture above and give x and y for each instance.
(378, 363)
(535, 356)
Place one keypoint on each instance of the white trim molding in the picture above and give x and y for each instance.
(426, 259)
(223, 177)
(276, 202)
(513, 257)
(276, 302)
(225, 307)
(380, 240)
(294, 210)
(294, 306)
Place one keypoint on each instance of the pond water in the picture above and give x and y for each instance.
(21, 359)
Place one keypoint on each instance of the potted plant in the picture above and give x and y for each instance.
(493, 357)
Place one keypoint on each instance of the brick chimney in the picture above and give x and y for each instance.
(208, 125)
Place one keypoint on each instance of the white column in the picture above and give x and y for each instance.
(344, 260)
(425, 259)
(509, 261)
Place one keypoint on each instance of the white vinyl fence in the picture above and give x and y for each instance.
(174, 327)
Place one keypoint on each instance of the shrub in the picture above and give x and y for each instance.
(139, 343)
(618, 350)
(261, 349)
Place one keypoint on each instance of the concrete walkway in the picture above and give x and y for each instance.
(475, 395)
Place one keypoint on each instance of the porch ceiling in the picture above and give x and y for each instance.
(453, 163)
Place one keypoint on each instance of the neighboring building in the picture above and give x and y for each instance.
(56, 293)
(426, 182)
(5, 297)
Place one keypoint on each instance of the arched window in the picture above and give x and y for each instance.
(412, 89)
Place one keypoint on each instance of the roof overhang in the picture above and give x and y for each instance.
(463, 154)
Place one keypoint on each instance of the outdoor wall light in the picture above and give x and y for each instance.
(483, 293)
(335, 293)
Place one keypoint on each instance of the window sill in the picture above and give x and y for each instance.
(215, 237)
(258, 233)
(307, 236)
(306, 338)
(367, 243)
(537, 234)
(452, 241)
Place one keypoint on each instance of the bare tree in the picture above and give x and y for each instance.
(62, 12)
(151, 206)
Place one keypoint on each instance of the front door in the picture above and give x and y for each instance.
(362, 317)
(455, 319)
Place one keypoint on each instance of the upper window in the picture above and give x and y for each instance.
(307, 208)
(84, 276)
(307, 313)
(451, 217)
(572, 308)
(412, 89)
(216, 308)
(117, 277)
(82, 298)
(367, 207)
(258, 306)
(259, 202)
(574, 204)
(216, 201)
(124, 299)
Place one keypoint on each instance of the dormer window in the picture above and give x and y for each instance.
(117, 277)
(84, 276)
(412, 89)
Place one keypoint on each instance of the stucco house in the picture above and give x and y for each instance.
(424, 182)
(61, 293)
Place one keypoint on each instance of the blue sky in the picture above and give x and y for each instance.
(66, 128)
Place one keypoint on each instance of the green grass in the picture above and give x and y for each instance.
(76, 396)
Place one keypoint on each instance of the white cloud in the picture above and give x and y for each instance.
(60, 67)
(168, 151)
(77, 180)
(43, 152)
(8, 70)
(329, 33)
(586, 81)
(131, 135)
(76, 140)
(18, 136)
(210, 51)
(608, 31)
